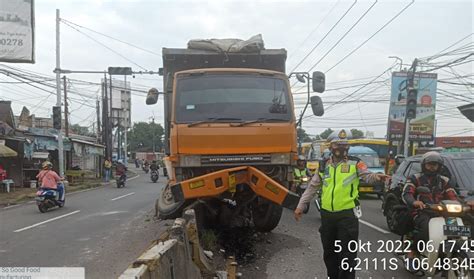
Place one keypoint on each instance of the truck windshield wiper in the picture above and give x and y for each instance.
(260, 120)
(213, 119)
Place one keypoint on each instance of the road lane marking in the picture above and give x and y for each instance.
(114, 199)
(47, 221)
(134, 177)
(11, 206)
(373, 226)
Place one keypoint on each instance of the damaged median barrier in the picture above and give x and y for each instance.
(177, 254)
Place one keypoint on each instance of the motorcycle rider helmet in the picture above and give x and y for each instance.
(339, 142)
(120, 161)
(431, 157)
(47, 165)
(301, 161)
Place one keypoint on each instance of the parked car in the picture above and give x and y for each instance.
(458, 166)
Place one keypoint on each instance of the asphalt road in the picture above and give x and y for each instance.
(103, 229)
(294, 249)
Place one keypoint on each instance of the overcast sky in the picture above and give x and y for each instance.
(423, 29)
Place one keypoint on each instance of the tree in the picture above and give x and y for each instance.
(144, 136)
(80, 130)
(357, 134)
(303, 136)
(326, 133)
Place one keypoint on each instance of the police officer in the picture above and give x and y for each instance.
(339, 178)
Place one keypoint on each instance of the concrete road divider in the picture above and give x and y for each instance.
(177, 254)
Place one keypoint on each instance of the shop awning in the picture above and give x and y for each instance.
(6, 151)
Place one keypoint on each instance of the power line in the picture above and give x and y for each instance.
(110, 37)
(320, 41)
(104, 45)
(364, 42)
(435, 55)
(315, 29)
(344, 35)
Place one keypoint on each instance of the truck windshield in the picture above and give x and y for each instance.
(245, 97)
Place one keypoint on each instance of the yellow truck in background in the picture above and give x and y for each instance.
(230, 134)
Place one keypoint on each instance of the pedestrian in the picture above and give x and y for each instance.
(137, 164)
(339, 177)
(107, 169)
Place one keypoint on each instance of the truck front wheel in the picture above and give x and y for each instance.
(166, 207)
(266, 215)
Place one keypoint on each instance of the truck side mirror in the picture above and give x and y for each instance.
(317, 105)
(319, 82)
(152, 96)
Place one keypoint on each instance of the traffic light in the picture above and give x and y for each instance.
(122, 71)
(411, 103)
(57, 117)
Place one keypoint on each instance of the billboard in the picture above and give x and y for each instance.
(121, 103)
(421, 127)
(17, 24)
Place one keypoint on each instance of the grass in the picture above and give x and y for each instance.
(209, 240)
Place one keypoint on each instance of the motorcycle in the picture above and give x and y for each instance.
(48, 198)
(121, 181)
(154, 176)
(146, 168)
(447, 243)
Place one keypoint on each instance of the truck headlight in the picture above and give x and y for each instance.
(190, 161)
(280, 159)
(454, 208)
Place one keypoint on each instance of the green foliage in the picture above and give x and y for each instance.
(357, 134)
(80, 130)
(326, 133)
(303, 136)
(143, 135)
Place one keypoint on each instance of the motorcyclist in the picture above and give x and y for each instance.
(49, 179)
(440, 189)
(299, 172)
(339, 177)
(154, 166)
(120, 169)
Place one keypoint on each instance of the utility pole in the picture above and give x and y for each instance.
(110, 119)
(98, 116)
(66, 123)
(126, 124)
(410, 86)
(105, 130)
(66, 109)
(58, 95)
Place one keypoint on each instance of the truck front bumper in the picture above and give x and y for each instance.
(218, 182)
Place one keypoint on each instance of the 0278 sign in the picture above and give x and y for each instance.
(11, 42)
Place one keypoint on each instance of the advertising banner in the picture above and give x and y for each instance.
(422, 127)
(17, 31)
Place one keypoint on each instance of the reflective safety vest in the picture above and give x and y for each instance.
(298, 174)
(340, 188)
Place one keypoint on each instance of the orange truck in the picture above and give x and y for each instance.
(230, 135)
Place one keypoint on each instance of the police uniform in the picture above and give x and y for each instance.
(339, 197)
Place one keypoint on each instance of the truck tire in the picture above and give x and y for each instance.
(165, 206)
(266, 215)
